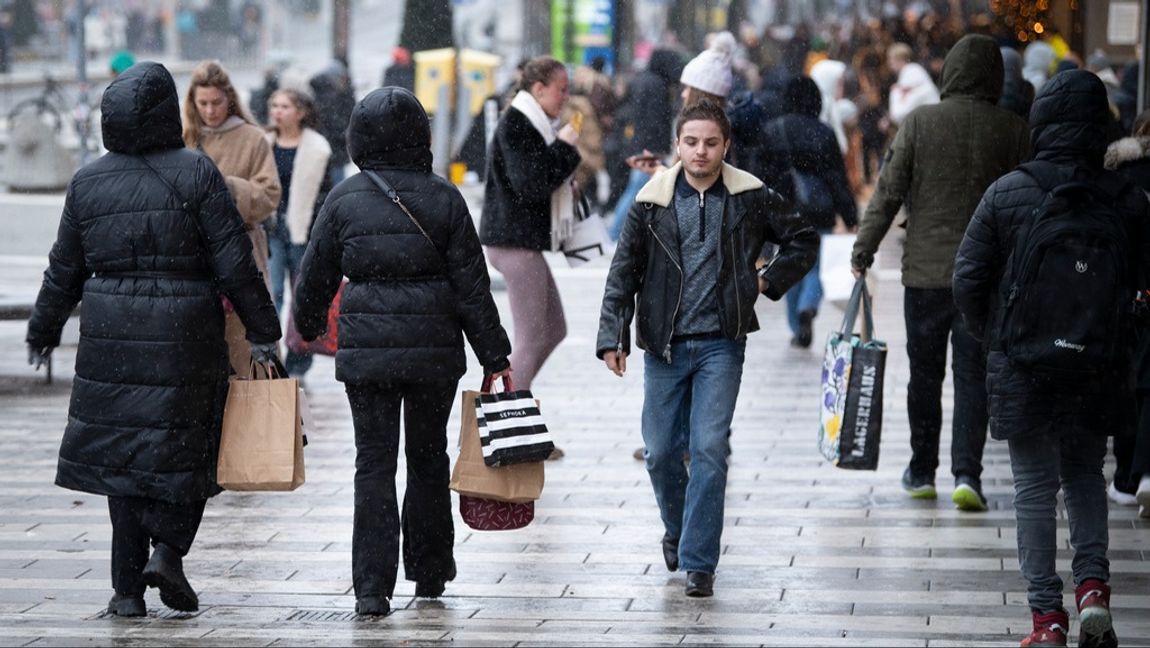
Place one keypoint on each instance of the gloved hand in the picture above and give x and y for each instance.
(39, 357)
(265, 353)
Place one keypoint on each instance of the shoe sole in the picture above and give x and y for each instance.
(171, 593)
(967, 499)
(1097, 629)
(922, 492)
(126, 612)
(1143, 499)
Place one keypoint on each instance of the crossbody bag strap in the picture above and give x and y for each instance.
(184, 204)
(391, 193)
(189, 211)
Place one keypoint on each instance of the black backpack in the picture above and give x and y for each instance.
(1068, 285)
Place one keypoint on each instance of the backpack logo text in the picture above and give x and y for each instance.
(1063, 344)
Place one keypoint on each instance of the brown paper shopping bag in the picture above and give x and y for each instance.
(471, 476)
(261, 445)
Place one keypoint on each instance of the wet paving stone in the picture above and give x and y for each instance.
(812, 556)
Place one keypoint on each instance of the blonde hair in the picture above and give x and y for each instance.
(209, 74)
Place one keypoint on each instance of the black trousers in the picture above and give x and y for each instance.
(932, 318)
(138, 522)
(427, 528)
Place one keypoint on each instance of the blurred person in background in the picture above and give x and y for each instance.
(1130, 157)
(1038, 62)
(334, 100)
(417, 286)
(528, 208)
(216, 124)
(1017, 92)
(914, 87)
(301, 155)
(801, 141)
(643, 121)
(152, 366)
(401, 72)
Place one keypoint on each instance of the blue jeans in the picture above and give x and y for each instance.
(634, 184)
(806, 295)
(1041, 466)
(687, 407)
(283, 265)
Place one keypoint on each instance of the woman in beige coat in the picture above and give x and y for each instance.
(216, 124)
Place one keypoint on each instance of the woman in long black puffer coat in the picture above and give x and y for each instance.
(148, 240)
(416, 286)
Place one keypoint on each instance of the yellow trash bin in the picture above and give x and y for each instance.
(434, 69)
(477, 74)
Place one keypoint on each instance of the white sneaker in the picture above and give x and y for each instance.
(1123, 499)
(1143, 497)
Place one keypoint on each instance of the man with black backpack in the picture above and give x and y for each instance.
(944, 156)
(1047, 277)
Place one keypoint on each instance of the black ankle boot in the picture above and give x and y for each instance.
(430, 589)
(372, 606)
(165, 570)
(700, 584)
(123, 605)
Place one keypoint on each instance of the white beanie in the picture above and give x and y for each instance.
(710, 71)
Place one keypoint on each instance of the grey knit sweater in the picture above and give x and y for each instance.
(700, 227)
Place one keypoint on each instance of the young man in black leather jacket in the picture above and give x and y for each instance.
(687, 254)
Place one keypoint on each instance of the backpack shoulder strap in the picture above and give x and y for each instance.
(1046, 174)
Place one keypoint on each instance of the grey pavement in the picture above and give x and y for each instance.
(813, 555)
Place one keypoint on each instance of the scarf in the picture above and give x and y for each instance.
(563, 198)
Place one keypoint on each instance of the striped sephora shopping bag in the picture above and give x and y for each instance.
(511, 430)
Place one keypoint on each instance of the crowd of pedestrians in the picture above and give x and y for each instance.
(718, 174)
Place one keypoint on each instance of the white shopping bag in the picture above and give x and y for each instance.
(835, 269)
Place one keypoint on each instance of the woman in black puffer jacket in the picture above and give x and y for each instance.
(1130, 157)
(148, 239)
(417, 285)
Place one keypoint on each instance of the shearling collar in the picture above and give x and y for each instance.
(1127, 149)
(660, 189)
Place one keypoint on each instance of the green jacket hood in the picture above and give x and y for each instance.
(973, 68)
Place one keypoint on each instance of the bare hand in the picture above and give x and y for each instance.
(646, 162)
(616, 362)
(763, 285)
(506, 373)
(857, 272)
(569, 134)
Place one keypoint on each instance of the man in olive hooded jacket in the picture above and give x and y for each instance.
(942, 160)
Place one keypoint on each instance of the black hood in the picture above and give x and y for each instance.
(1069, 117)
(667, 64)
(973, 68)
(802, 97)
(389, 130)
(140, 111)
